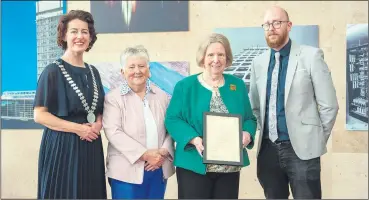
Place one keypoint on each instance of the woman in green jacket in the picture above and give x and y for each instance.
(215, 92)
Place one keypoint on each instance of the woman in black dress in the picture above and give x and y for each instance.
(69, 103)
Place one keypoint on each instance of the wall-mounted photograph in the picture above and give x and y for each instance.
(165, 75)
(140, 16)
(249, 42)
(357, 77)
(39, 48)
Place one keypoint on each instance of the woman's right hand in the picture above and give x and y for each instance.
(154, 160)
(197, 142)
(87, 133)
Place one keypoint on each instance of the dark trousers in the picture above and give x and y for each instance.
(192, 185)
(278, 167)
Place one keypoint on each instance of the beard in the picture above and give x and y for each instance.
(278, 42)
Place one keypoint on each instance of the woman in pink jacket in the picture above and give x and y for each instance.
(140, 152)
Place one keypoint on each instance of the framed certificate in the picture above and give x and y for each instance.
(222, 139)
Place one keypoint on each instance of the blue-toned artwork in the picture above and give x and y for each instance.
(26, 55)
(165, 75)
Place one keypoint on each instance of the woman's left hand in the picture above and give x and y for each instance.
(96, 127)
(246, 138)
(163, 152)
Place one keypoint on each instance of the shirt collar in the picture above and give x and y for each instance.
(124, 88)
(285, 51)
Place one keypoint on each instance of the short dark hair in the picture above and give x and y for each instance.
(63, 26)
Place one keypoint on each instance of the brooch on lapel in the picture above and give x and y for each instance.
(232, 87)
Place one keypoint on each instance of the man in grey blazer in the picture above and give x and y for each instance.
(293, 97)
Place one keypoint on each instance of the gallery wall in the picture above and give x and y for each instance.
(205, 17)
(344, 167)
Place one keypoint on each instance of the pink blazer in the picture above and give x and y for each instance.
(124, 127)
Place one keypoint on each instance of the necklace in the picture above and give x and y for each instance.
(90, 116)
(215, 87)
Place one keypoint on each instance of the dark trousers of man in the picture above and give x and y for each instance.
(192, 185)
(278, 167)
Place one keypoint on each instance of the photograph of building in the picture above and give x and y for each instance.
(357, 77)
(17, 109)
(47, 18)
(40, 49)
(241, 66)
(249, 42)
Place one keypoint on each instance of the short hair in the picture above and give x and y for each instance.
(138, 50)
(63, 26)
(214, 38)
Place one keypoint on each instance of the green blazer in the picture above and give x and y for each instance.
(184, 117)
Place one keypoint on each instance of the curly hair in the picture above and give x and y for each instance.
(63, 26)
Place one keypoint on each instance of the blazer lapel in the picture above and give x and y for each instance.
(292, 64)
(263, 78)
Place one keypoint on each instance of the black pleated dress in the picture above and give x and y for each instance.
(69, 168)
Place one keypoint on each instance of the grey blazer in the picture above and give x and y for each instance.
(310, 99)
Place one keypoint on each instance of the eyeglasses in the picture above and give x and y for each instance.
(275, 24)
